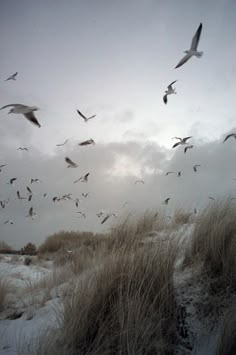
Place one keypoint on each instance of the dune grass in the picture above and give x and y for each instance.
(5, 289)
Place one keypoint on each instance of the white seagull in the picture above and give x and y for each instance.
(108, 216)
(169, 91)
(86, 119)
(166, 201)
(193, 49)
(195, 167)
(12, 77)
(82, 178)
(71, 164)
(31, 214)
(182, 141)
(87, 142)
(23, 148)
(26, 111)
(188, 147)
(61, 144)
(35, 181)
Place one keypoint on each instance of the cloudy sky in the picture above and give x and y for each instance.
(114, 59)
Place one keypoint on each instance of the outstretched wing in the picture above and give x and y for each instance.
(165, 99)
(105, 219)
(170, 86)
(31, 117)
(15, 105)
(80, 113)
(183, 60)
(176, 144)
(196, 38)
(69, 161)
(228, 136)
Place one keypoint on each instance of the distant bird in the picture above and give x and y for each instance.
(45, 194)
(108, 216)
(179, 173)
(54, 199)
(139, 181)
(71, 164)
(195, 167)
(188, 147)
(12, 77)
(26, 111)
(211, 198)
(82, 214)
(82, 178)
(166, 201)
(169, 91)
(193, 49)
(36, 181)
(77, 201)
(23, 148)
(68, 251)
(3, 203)
(31, 214)
(30, 197)
(29, 190)
(66, 197)
(85, 195)
(170, 172)
(8, 221)
(86, 119)
(19, 196)
(100, 214)
(61, 144)
(87, 142)
(229, 135)
(2, 166)
(182, 141)
(12, 181)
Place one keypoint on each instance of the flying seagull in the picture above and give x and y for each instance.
(26, 111)
(100, 214)
(82, 214)
(139, 181)
(31, 214)
(77, 201)
(166, 201)
(85, 195)
(12, 77)
(86, 119)
(89, 141)
(211, 198)
(12, 181)
(61, 144)
(170, 172)
(82, 178)
(179, 173)
(108, 216)
(8, 221)
(71, 164)
(195, 167)
(169, 91)
(23, 148)
(29, 190)
(30, 197)
(230, 135)
(36, 181)
(188, 147)
(19, 196)
(193, 49)
(182, 141)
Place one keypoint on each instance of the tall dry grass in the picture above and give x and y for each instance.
(226, 343)
(214, 241)
(126, 306)
(5, 288)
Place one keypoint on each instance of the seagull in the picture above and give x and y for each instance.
(211, 198)
(8, 221)
(82, 178)
(188, 147)
(23, 148)
(30, 197)
(230, 135)
(66, 196)
(12, 77)
(139, 181)
(82, 214)
(86, 119)
(193, 49)
(108, 216)
(35, 181)
(29, 190)
(3, 203)
(170, 172)
(2, 166)
(166, 201)
(77, 201)
(31, 214)
(85, 195)
(45, 194)
(182, 141)
(195, 167)
(71, 163)
(54, 199)
(27, 111)
(169, 91)
(179, 173)
(12, 181)
(89, 141)
(61, 144)
(19, 196)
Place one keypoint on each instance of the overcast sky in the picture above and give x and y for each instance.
(114, 59)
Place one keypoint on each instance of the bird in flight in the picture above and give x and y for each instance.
(82, 178)
(77, 201)
(179, 174)
(11, 182)
(87, 142)
(19, 196)
(139, 181)
(12, 77)
(229, 135)
(61, 144)
(170, 172)
(29, 190)
(2, 166)
(211, 198)
(85, 194)
(23, 148)
(30, 197)
(26, 111)
(188, 147)
(82, 214)
(195, 167)
(31, 214)
(170, 90)
(36, 181)
(8, 221)
(193, 49)
(108, 216)
(166, 201)
(70, 163)
(86, 119)
(182, 141)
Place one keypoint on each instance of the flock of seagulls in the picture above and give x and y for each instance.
(28, 112)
